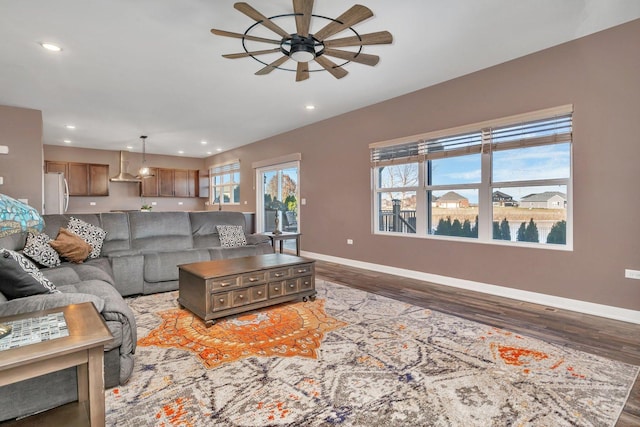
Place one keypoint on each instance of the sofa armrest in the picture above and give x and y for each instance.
(256, 239)
(47, 301)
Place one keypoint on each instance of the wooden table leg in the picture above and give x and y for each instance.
(96, 386)
(281, 242)
(298, 245)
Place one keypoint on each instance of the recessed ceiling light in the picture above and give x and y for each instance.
(67, 141)
(129, 147)
(203, 142)
(218, 149)
(310, 107)
(52, 47)
(209, 152)
(180, 152)
(70, 126)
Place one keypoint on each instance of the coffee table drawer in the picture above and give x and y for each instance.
(240, 297)
(276, 289)
(304, 269)
(305, 283)
(281, 273)
(223, 283)
(254, 278)
(291, 286)
(258, 293)
(221, 301)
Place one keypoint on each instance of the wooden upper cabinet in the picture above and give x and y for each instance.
(150, 184)
(84, 179)
(98, 180)
(193, 183)
(165, 182)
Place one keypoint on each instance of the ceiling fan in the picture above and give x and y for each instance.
(303, 46)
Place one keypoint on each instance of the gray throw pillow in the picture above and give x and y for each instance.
(20, 278)
(231, 236)
(38, 249)
(90, 233)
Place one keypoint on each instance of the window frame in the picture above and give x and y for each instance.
(412, 150)
(224, 170)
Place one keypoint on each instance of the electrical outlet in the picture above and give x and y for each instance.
(92, 203)
(632, 274)
(349, 241)
(154, 203)
(180, 203)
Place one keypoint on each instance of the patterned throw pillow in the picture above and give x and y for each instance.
(38, 249)
(91, 234)
(231, 236)
(20, 278)
(71, 246)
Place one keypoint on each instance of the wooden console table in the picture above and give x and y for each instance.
(214, 289)
(83, 348)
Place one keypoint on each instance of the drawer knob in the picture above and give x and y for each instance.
(223, 284)
(276, 289)
(240, 296)
(222, 300)
(302, 270)
(259, 292)
(253, 279)
(292, 285)
(279, 274)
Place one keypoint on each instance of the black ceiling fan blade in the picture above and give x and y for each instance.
(260, 18)
(302, 73)
(243, 36)
(254, 53)
(303, 10)
(360, 58)
(380, 37)
(330, 66)
(357, 13)
(269, 68)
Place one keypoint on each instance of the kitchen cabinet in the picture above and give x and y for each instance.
(165, 183)
(149, 186)
(84, 179)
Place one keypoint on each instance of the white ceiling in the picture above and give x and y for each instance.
(133, 67)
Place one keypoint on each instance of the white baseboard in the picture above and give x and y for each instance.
(585, 307)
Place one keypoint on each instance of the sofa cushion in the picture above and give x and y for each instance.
(91, 234)
(116, 224)
(204, 226)
(71, 246)
(231, 236)
(19, 277)
(163, 266)
(38, 249)
(160, 231)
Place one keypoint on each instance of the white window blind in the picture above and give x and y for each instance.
(555, 130)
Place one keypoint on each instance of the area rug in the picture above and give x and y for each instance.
(352, 358)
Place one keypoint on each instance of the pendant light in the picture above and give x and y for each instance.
(144, 171)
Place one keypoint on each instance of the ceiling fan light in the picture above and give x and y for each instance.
(302, 53)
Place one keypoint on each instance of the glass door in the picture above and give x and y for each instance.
(278, 195)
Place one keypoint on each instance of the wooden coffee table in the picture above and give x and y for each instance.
(214, 289)
(83, 348)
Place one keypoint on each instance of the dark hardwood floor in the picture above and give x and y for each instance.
(597, 335)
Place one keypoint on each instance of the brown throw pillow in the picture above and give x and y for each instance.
(71, 246)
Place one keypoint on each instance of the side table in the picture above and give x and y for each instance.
(285, 235)
(83, 348)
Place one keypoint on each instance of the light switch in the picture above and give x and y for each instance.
(303, 201)
(4, 149)
(1, 180)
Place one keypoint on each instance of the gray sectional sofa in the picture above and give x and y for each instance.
(140, 255)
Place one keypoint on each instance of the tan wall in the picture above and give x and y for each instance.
(125, 195)
(597, 74)
(21, 131)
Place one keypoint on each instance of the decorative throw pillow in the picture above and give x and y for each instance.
(71, 246)
(90, 233)
(19, 277)
(38, 249)
(231, 236)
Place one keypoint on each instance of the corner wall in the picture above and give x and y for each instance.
(21, 169)
(598, 74)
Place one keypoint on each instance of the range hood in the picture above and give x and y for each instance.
(123, 175)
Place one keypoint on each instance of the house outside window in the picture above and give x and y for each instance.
(225, 184)
(506, 181)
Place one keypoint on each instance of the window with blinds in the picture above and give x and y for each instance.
(505, 181)
(225, 183)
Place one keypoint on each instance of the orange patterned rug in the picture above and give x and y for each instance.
(284, 330)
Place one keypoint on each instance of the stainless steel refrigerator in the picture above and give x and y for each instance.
(56, 193)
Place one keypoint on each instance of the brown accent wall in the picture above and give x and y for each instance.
(125, 195)
(598, 74)
(21, 131)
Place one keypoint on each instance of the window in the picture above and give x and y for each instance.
(507, 180)
(225, 184)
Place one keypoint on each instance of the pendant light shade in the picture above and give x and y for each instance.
(144, 171)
